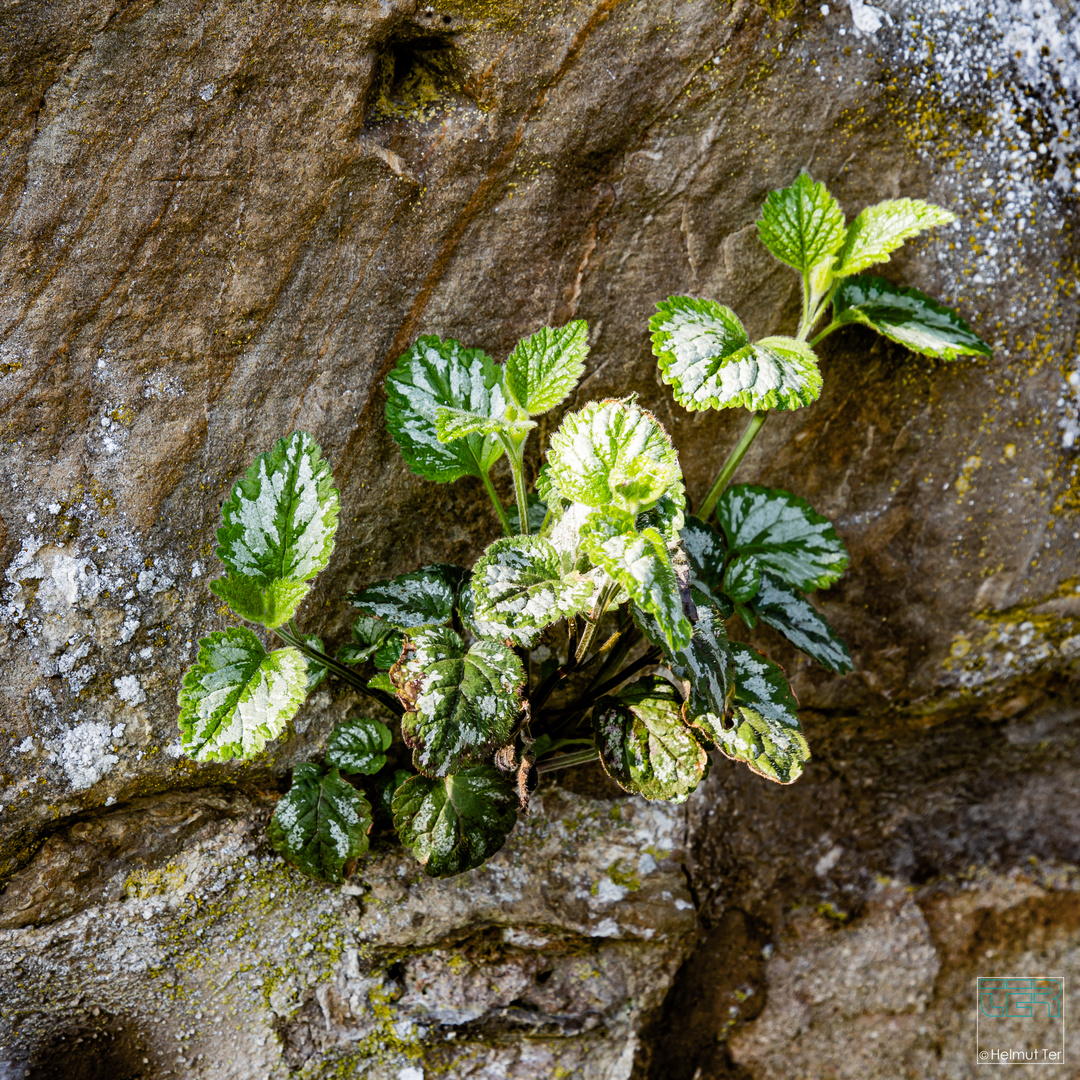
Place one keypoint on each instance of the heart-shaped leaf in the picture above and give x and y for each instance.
(521, 581)
(278, 531)
(802, 224)
(644, 745)
(743, 579)
(359, 746)
(611, 453)
(785, 534)
(788, 611)
(320, 823)
(455, 823)
(641, 563)
(434, 374)
(544, 368)
(879, 230)
(462, 704)
(236, 696)
(709, 361)
(766, 734)
(423, 598)
(906, 316)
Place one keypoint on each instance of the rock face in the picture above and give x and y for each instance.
(222, 222)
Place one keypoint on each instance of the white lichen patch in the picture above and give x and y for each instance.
(86, 753)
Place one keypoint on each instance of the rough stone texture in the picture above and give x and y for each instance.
(221, 221)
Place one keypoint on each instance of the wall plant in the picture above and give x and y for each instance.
(596, 627)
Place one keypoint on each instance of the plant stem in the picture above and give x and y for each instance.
(647, 660)
(498, 505)
(515, 454)
(292, 637)
(564, 761)
(825, 333)
(593, 621)
(727, 470)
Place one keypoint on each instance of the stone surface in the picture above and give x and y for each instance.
(224, 221)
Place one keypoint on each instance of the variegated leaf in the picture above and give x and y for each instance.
(278, 531)
(879, 230)
(784, 533)
(906, 316)
(359, 745)
(236, 696)
(641, 563)
(545, 367)
(458, 423)
(521, 581)
(742, 579)
(644, 745)
(455, 823)
(802, 224)
(709, 361)
(320, 824)
(436, 374)
(612, 453)
(461, 704)
(706, 554)
(788, 611)
(411, 601)
(766, 733)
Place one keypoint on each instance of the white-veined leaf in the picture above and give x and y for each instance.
(788, 611)
(784, 533)
(423, 598)
(742, 579)
(706, 554)
(453, 424)
(611, 453)
(434, 374)
(461, 704)
(879, 230)
(645, 746)
(545, 367)
(278, 531)
(359, 745)
(481, 628)
(236, 696)
(709, 361)
(316, 669)
(521, 581)
(455, 823)
(766, 733)
(320, 823)
(906, 316)
(802, 225)
(641, 563)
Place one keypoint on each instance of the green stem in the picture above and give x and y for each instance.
(727, 470)
(498, 505)
(564, 761)
(515, 454)
(825, 333)
(593, 621)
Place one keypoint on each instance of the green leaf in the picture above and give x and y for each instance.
(641, 563)
(434, 374)
(802, 225)
(706, 554)
(451, 424)
(644, 745)
(382, 681)
(611, 453)
(316, 671)
(278, 531)
(766, 734)
(481, 628)
(537, 513)
(788, 611)
(386, 786)
(709, 361)
(704, 666)
(544, 368)
(236, 696)
(906, 316)
(784, 532)
(521, 581)
(743, 579)
(463, 703)
(411, 601)
(879, 230)
(455, 823)
(547, 491)
(359, 746)
(320, 824)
